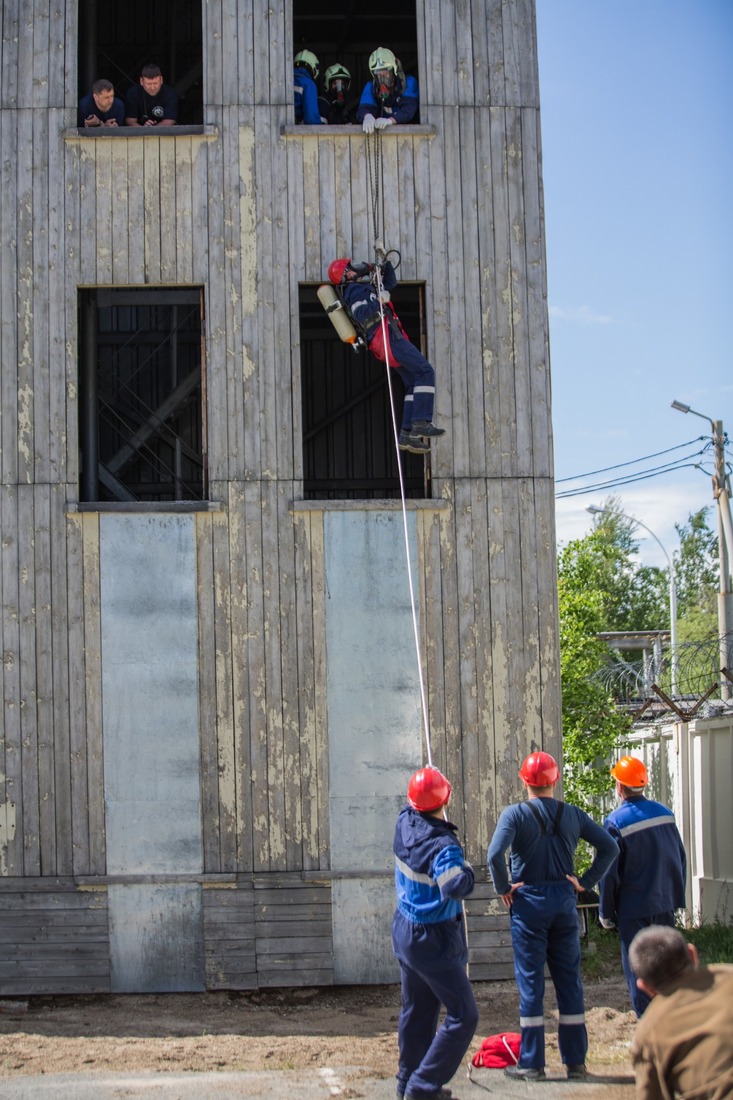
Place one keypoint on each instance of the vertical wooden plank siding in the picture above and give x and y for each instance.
(251, 210)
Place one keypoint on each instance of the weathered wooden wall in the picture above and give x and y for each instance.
(249, 209)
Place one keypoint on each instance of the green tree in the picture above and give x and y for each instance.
(697, 575)
(592, 726)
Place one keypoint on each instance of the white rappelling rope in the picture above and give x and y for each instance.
(395, 432)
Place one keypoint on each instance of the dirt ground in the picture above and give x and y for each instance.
(279, 1029)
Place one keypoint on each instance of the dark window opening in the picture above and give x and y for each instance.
(141, 395)
(116, 40)
(349, 449)
(349, 33)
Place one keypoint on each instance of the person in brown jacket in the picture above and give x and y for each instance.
(683, 1046)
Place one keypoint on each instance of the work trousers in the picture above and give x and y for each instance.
(544, 927)
(429, 1058)
(627, 929)
(415, 372)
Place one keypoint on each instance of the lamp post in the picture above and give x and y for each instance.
(721, 494)
(596, 511)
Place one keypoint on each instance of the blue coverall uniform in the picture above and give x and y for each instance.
(415, 372)
(401, 104)
(647, 883)
(544, 919)
(306, 98)
(429, 940)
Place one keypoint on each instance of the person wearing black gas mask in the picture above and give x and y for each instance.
(390, 97)
(334, 107)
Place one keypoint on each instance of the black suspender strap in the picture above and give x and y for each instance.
(540, 819)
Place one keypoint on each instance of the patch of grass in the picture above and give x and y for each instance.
(600, 954)
(714, 942)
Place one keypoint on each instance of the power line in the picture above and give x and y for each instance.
(635, 461)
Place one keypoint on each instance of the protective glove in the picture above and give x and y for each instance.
(384, 296)
(606, 923)
(382, 123)
(368, 124)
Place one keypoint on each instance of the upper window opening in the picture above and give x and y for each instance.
(141, 395)
(348, 440)
(349, 34)
(116, 41)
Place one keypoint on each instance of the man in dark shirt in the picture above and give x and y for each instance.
(101, 107)
(151, 102)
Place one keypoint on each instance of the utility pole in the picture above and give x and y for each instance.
(721, 493)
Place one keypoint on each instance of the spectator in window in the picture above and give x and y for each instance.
(390, 96)
(334, 107)
(305, 91)
(151, 102)
(101, 107)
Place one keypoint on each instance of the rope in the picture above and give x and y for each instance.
(375, 179)
(395, 432)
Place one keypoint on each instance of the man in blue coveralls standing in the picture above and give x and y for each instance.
(647, 883)
(429, 940)
(543, 834)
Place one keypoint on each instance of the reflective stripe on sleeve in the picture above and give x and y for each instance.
(414, 876)
(446, 876)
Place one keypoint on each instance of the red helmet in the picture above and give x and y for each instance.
(337, 270)
(539, 770)
(428, 790)
(630, 771)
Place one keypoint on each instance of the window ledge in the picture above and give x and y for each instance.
(84, 133)
(413, 504)
(139, 507)
(406, 130)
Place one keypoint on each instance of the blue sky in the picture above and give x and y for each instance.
(637, 129)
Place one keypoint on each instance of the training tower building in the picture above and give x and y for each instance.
(210, 692)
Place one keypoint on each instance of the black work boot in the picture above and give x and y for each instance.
(576, 1073)
(525, 1073)
(408, 441)
(424, 427)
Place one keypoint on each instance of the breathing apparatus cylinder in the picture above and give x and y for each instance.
(337, 314)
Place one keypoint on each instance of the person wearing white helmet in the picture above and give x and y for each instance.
(389, 97)
(305, 91)
(333, 104)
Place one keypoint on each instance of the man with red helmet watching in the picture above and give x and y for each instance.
(429, 940)
(543, 833)
(647, 883)
(389, 342)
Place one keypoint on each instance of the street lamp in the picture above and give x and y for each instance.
(721, 494)
(596, 511)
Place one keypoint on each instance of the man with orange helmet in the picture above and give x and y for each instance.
(429, 940)
(388, 341)
(543, 834)
(647, 883)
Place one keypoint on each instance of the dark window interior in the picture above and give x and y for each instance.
(349, 450)
(116, 40)
(350, 31)
(141, 400)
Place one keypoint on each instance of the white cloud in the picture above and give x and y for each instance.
(659, 506)
(583, 315)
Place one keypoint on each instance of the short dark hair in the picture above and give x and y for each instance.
(151, 69)
(102, 85)
(658, 955)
